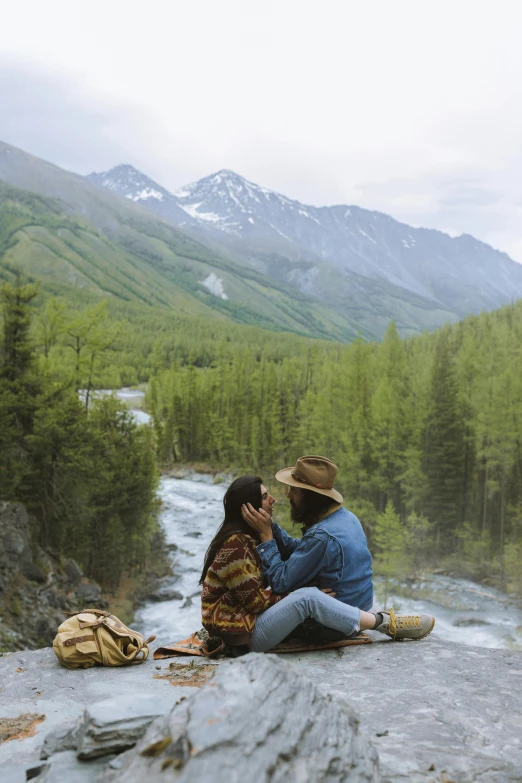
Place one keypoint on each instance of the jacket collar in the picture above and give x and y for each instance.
(330, 510)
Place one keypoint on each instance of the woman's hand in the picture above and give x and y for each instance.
(328, 591)
(258, 520)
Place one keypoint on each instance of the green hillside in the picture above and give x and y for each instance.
(112, 244)
(94, 243)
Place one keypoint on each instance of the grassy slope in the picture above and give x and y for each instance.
(168, 265)
(145, 260)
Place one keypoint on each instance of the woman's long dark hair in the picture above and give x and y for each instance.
(246, 489)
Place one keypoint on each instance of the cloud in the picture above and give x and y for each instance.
(400, 107)
(54, 117)
(464, 193)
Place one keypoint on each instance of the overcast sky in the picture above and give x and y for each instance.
(411, 107)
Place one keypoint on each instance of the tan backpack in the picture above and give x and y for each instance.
(93, 636)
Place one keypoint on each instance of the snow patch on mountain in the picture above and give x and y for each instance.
(144, 194)
(215, 285)
(192, 210)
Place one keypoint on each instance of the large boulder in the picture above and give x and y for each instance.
(256, 720)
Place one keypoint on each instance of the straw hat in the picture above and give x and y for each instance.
(314, 473)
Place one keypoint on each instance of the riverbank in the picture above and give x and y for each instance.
(38, 587)
(137, 586)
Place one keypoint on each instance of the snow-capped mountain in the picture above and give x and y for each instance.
(330, 252)
(125, 180)
(235, 206)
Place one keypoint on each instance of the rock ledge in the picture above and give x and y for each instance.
(434, 711)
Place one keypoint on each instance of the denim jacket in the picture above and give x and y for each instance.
(332, 553)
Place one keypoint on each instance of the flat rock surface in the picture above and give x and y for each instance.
(34, 682)
(434, 710)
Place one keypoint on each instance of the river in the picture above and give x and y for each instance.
(465, 612)
(133, 399)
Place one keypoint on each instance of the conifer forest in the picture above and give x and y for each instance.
(426, 431)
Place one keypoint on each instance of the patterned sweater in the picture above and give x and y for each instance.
(233, 591)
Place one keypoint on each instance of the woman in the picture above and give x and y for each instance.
(237, 607)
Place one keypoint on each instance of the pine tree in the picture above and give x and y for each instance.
(444, 448)
(390, 560)
(19, 385)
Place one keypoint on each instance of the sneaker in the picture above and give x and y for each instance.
(405, 626)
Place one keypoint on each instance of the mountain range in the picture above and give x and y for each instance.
(226, 247)
(61, 229)
(319, 250)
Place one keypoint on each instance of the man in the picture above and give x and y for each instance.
(332, 554)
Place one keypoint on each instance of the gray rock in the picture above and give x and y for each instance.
(165, 594)
(443, 711)
(35, 682)
(116, 724)
(434, 710)
(32, 572)
(466, 622)
(62, 738)
(35, 592)
(107, 727)
(64, 767)
(160, 590)
(89, 594)
(73, 572)
(255, 720)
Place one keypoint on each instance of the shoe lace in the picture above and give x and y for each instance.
(392, 624)
(402, 621)
(409, 621)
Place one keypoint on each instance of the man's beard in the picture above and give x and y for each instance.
(297, 515)
(309, 511)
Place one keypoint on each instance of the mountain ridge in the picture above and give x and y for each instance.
(62, 230)
(276, 280)
(257, 224)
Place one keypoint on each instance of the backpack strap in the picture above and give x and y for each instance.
(145, 650)
(77, 639)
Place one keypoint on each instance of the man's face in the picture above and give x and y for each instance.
(267, 501)
(295, 496)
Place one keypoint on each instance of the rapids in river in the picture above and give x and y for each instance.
(465, 612)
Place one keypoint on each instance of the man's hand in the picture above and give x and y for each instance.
(258, 520)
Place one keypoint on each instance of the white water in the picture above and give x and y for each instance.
(191, 514)
(192, 511)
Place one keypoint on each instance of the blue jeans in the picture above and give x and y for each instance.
(277, 622)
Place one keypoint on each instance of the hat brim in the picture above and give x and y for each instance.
(285, 477)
